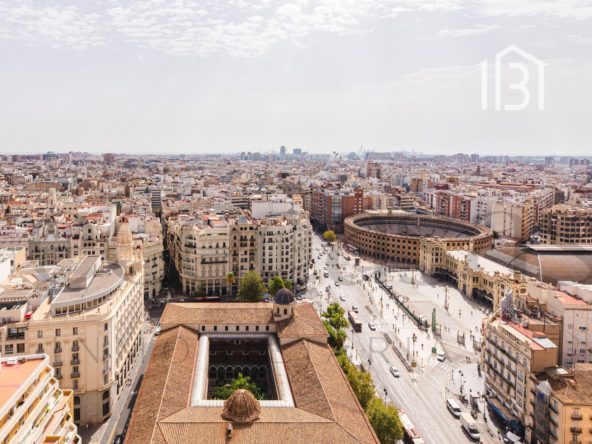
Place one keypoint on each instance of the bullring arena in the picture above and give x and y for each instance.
(408, 239)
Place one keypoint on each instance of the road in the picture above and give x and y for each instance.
(421, 393)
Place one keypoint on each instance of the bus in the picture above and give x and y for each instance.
(354, 321)
(410, 433)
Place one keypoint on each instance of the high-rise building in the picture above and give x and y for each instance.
(33, 408)
(282, 153)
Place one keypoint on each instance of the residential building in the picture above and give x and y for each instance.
(33, 408)
(87, 316)
(565, 225)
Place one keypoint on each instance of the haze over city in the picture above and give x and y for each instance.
(193, 77)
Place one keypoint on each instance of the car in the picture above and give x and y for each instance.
(337, 284)
(395, 372)
(340, 279)
(342, 298)
(326, 274)
(118, 439)
(371, 326)
(354, 309)
(441, 356)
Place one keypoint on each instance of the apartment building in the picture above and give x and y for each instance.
(513, 220)
(86, 315)
(566, 225)
(561, 411)
(572, 305)
(330, 207)
(33, 408)
(206, 249)
(510, 354)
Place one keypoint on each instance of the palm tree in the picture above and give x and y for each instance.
(230, 280)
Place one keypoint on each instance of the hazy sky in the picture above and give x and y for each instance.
(197, 76)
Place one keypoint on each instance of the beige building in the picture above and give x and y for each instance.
(563, 224)
(561, 408)
(510, 354)
(206, 250)
(513, 220)
(479, 277)
(86, 315)
(33, 408)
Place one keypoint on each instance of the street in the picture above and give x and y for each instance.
(421, 392)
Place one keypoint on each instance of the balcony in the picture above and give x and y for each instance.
(75, 347)
(75, 361)
(57, 350)
(58, 376)
(58, 363)
(576, 416)
(575, 430)
(75, 375)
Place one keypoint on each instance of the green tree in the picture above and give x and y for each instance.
(385, 421)
(251, 287)
(362, 385)
(289, 284)
(275, 284)
(230, 280)
(241, 382)
(335, 314)
(329, 236)
(336, 336)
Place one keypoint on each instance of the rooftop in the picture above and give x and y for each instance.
(14, 375)
(325, 408)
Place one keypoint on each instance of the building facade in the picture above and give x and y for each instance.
(33, 408)
(565, 225)
(87, 316)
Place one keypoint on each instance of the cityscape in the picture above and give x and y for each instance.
(365, 297)
(296, 221)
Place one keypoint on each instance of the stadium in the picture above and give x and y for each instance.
(402, 237)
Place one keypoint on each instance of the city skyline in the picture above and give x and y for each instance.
(188, 77)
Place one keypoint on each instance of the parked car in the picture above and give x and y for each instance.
(337, 284)
(371, 326)
(441, 356)
(395, 372)
(342, 298)
(454, 408)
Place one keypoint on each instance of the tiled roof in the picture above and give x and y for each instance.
(217, 312)
(166, 384)
(304, 324)
(326, 409)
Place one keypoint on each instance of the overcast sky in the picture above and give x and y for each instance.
(203, 76)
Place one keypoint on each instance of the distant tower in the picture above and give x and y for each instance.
(124, 243)
(282, 153)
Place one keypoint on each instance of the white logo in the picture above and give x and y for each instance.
(522, 86)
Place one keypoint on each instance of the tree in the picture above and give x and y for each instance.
(335, 315)
(230, 280)
(251, 287)
(329, 236)
(289, 284)
(336, 336)
(362, 385)
(385, 421)
(275, 284)
(241, 382)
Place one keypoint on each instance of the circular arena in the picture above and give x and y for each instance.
(400, 238)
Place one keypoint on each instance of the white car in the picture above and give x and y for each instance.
(395, 372)
(441, 356)
(337, 284)
(371, 326)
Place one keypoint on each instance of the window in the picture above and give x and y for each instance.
(58, 332)
(74, 330)
(39, 334)
(9, 349)
(106, 326)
